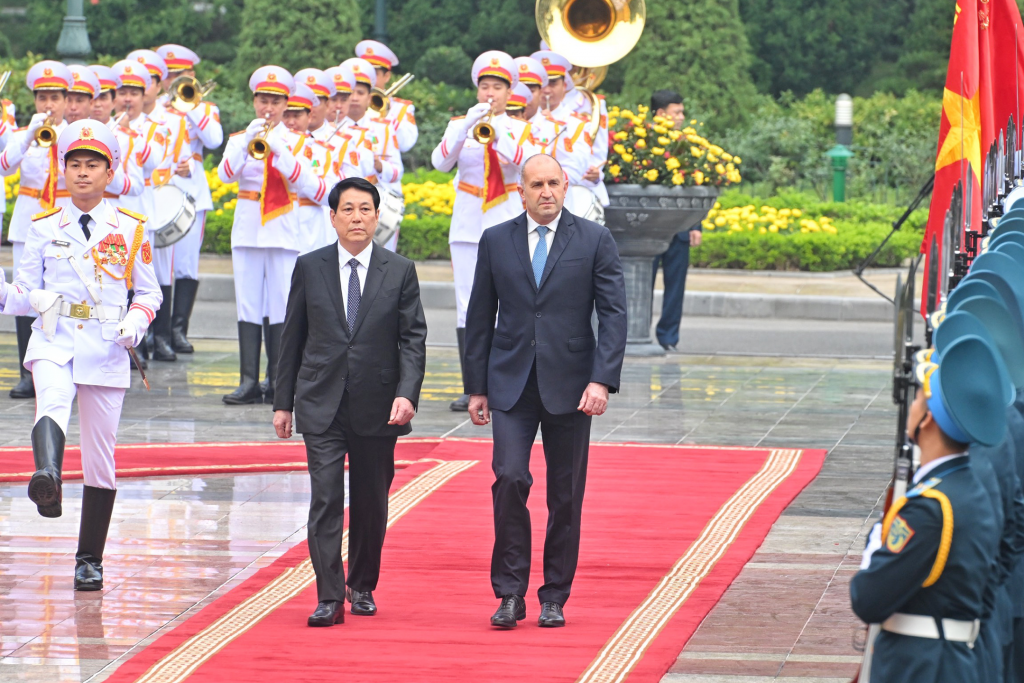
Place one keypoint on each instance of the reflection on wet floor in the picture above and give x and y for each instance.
(177, 543)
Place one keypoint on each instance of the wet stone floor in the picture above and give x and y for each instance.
(178, 543)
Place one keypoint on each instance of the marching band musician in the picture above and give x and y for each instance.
(77, 265)
(159, 341)
(534, 77)
(41, 186)
(317, 154)
(517, 102)
(485, 185)
(198, 129)
(379, 132)
(7, 128)
(323, 87)
(401, 113)
(266, 231)
(337, 106)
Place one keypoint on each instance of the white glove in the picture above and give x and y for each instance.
(475, 113)
(126, 334)
(254, 128)
(276, 142)
(37, 122)
(3, 286)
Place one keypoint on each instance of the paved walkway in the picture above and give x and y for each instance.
(178, 543)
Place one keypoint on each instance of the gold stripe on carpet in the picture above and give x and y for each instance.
(626, 648)
(182, 662)
(206, 469)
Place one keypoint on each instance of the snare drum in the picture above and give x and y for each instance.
(392, 209)
(583, 202)
(174, 214)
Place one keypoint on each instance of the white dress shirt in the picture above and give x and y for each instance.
(532, 236)
(76, 215)
(925, 469)
(364, 264)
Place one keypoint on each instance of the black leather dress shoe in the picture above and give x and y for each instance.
(511, 610)
(328, 613)
(362, 603)
(88, 573)
(551, 615)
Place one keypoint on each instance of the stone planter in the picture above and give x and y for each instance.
(643, 221)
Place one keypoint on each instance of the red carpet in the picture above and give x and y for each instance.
(665, 531)
(155, 460)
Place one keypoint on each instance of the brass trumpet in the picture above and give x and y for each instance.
(258, 147)
(483, 131)
(187, 93)
(380, 100)
(46, 135)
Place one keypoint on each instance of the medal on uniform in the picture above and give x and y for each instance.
(113, 250)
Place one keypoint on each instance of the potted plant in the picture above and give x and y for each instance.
(661, 180)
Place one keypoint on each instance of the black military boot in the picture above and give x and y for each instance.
(24, 388)
(184, 299)
(162, 348)
(273, 339)
(248, 390)
(44, 489)
(461, 404)
(265, 384)
(97, 507)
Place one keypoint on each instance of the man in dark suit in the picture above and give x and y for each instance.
(546, 271)
(353, 355)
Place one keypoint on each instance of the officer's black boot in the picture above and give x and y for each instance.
(248, 390)
(97, 507)
(265, 384)
(24, 388)
(44, 489)
(184, 298)
(461, 404)
(146, 345)
(162, 347)
(273, 338)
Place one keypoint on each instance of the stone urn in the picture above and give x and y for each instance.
(643, 221)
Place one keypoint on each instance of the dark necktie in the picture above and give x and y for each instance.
(84, 221)
(353, 293)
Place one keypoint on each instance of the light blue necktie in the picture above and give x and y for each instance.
(540, 254)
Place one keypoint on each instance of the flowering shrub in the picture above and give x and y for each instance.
(428, 198)
(764, 220)
(225, 195)
(642, 152)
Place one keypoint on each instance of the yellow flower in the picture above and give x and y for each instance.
(674, 134)
(619, 149)
(672, 163)
(726, 156)
(410, 217)
(696, 152)
(711, 157)
(677, 178)
(664, 141)
(657, 151)
(621, 135)
(612, 120)
(698, 177)
(652, 174)
(737, 160)
(614, 169)
(627, 158)
(720, 221)
(719, 169)
(641, 143)
(660, 130)
(640, 131)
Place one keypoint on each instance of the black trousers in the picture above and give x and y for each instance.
(371, 471)
(566, 446)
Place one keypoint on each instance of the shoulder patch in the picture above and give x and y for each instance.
(44, 214)
(147, 256)
(899, 534)
(133, 214)
(923, 486)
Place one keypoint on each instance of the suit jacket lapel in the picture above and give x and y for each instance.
(331, 271)
(522, 247)
(374, 278)
(566, 229)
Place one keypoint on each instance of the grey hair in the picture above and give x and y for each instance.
(522, 171)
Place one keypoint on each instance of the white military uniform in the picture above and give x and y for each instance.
(513, 143)
(7, 127)
(315, 156)
(401, 114)
(82, 356)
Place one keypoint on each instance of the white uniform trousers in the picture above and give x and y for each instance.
(17, 249)
(262, 280)
(99, 412)
(186, 250)
(464, 269)
(392, 244)
(163, 264)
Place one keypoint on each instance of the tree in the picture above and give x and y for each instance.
(699, 48)
(297, 34)
(800, 45)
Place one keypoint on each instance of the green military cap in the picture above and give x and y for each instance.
(1008, 223)
(1016, 237)
(961, 323)
(1005, 333)
(1002, 272)
(968, 287)
(1011, 249)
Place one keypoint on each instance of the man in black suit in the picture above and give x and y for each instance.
(353, 355)
(546, 271)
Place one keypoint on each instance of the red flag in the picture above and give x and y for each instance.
(494, 179)
(987, 50)
(274, 198)
(49, 194)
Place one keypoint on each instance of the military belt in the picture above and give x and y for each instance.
(84, 312)
(921, 626)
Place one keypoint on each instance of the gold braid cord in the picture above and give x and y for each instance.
(136, 245)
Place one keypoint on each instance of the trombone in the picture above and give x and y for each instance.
(114, 123)
(380, 100)
(46, 135)
(483, 131)
(4, 77)
(258, 147)
(187, 93)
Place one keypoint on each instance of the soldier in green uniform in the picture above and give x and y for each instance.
(928, 563)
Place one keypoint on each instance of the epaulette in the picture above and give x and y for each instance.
(395, 99)
(923, 486)
(44, 214)
(381, 120)
(456, 118)
(133, 214)
(241, 132)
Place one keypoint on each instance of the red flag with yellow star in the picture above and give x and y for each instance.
(986, 34)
